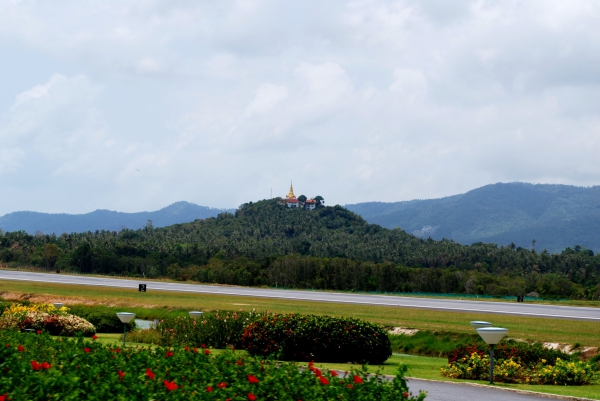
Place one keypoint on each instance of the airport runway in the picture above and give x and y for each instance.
(442, 304)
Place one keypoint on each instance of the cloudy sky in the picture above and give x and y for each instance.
(133, 105)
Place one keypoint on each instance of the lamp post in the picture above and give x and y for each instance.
(194, 314)
(58, 305)
(125, 317)
(492, 336)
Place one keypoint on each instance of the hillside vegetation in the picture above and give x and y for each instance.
(556, 216)
(265, 243)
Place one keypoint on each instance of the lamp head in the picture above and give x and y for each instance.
(194, 314)
(492, 335)
(58, 305)
(125, 317)
(479, 324)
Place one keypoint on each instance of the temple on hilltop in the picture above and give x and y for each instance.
(291, 201)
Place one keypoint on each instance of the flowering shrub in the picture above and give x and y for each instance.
(44, 317)
(317, 338)
(476, 367)
(41, 368)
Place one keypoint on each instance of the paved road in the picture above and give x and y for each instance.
(443, 391)
(506, 308)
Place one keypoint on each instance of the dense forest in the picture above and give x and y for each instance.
(265, 243)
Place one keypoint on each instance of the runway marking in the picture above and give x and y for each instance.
(112, 283)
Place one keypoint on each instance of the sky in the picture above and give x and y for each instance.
(134, 105)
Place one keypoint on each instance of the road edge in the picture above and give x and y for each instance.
(514, 390)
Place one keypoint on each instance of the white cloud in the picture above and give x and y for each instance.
(131, 106)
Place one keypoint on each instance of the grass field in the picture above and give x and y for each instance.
(153, 304)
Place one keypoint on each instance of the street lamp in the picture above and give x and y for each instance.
(477, 324)
(125, 317)
(194, 314)
(58, 305)
(492, 336)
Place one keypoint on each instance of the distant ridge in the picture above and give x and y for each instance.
(556, 216)
(49, 223)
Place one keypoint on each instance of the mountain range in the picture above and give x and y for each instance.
(555, 216)
(50, 223)
(540, 216)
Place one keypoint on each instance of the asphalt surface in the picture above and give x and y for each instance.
(505, 308)
(444, 391)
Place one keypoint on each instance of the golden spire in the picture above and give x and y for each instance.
(291, 194)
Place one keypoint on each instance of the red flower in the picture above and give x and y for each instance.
(94, 337)
(357, 379)
(46, 365)
(4, 397)
(121, 375)
(35, 365)
(240, 362)
(195, 350)
(118, 350)
(169, 353)
(253, 379)
(203, 346)
(150, 373)
(7, 345)
(350, 386)
(207, 352)
(323, 380)
(251, 397)
(20, 348)
(405, 394)
(318, 372)
(222, 385)
(208, 389)
(333, 373)
(86, 350)
(171, 385)
(187, 348)
(38, 331)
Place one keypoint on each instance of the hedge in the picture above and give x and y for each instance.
(317, 338)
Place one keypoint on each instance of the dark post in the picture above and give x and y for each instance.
(142, 288)
(492, 364)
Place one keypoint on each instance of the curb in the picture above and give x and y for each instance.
(514, 390)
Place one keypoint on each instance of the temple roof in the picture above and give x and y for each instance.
(291, 194)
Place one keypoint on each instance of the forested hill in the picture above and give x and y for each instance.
(48, 223)
(266, 243)
(556, 216)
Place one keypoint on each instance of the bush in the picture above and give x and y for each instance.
(41, 368)
(105, 321)
(45, 317)
(217, 329)
(317, 338)
(526, 353)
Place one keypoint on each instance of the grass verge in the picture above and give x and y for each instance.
(152, 304)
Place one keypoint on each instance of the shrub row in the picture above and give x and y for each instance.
(37, 367)
(524, 352)
(559, 372)
(317, 338)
